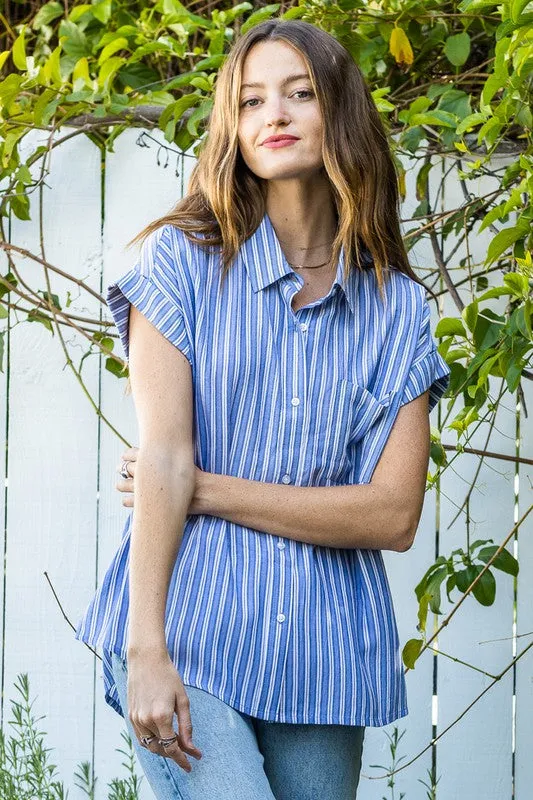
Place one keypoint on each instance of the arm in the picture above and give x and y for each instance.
(162, 392)
(381, 515)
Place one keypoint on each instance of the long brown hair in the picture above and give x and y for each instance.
(225, 202)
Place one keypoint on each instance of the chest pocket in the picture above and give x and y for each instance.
(351, 410)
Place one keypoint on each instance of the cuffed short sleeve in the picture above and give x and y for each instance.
(157, 286)
(428, 369)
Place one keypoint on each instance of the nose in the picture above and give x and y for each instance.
(276, 112)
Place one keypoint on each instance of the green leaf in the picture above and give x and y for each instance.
(456, 353)
(438, 454)
(439, 118)
(259, 16)
(411, 651)
(120, 43)
(450, 326)
(199, 114)
(517, 6)
(504, 561)
(10, 279)
(433, 588)
(485, 589)
(213, 62)
(457, 48)
(469, 122)
(423, 612)
(51, 298)
(491, 216)
(75, 42)
(421, 586)
(464, 577)
(20, 205)
(37, 316)
(496, 291)
(505, 238)
(108, 71)
(518, 283)
(47, 14)
(18, 52)
(138, 76)
(2, 351)
(450, 586)
(113, 366)
(101, 11)
(470, 314)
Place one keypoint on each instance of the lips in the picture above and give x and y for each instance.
(281, 139)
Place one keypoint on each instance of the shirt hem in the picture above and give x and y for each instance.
(369, 721)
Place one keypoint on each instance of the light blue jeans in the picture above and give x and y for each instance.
(246, 758)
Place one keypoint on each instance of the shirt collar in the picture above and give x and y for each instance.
(265, 262)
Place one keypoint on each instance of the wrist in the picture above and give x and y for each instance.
(155, 651)
(207, 490)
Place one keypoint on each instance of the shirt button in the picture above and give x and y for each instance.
(281, 545)
(295, 401)
(304, 326)
(281, 618)
(286, 479)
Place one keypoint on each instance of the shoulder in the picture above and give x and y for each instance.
(402, 295)
(167, 249)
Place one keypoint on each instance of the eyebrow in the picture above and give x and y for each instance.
(284, 82)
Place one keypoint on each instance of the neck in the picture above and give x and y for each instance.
(303, 218)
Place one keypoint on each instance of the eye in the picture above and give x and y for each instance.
(304, 91)
(299, 91)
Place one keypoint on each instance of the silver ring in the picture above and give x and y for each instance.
(145, 740)
(124, 470)
(168, 741)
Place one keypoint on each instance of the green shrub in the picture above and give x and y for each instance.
(26, 772)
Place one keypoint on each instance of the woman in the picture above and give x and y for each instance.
(282, 369)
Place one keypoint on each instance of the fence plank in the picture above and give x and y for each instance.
(138, 190)
(52, 466)
(474, 758)
(524, 623)
(5, 709)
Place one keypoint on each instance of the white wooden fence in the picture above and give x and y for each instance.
(63, 516)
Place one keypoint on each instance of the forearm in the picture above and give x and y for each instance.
(163, 492)
(363, 515)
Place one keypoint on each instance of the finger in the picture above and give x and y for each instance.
(153, 746)
(185, 727)
(124, 484)
(130, 454)
(131, 469)
(173, 750)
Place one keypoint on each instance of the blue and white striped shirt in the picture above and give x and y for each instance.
(277, 628)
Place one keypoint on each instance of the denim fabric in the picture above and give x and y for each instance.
(246, 758)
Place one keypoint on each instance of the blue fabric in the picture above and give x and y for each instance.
(279, 629)
(244, 758)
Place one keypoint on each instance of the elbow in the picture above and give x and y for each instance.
(405, 538)
(180, 465)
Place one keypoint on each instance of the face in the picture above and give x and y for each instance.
(279, 105)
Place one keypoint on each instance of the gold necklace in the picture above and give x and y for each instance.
(302, 266)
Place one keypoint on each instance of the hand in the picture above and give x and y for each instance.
(127, 485)
(155, 693)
